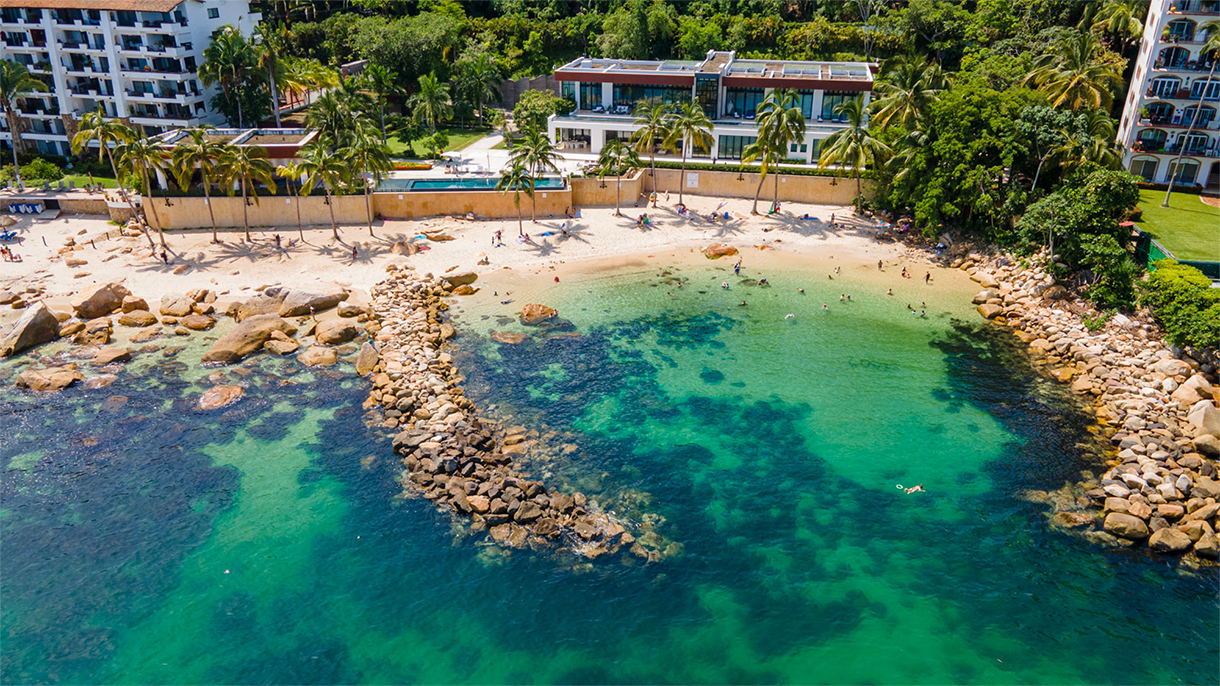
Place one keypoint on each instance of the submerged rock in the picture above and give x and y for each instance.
(217, 397)
(718, 250)
(317, 355)
(533, 314)
(49, 379)
(335, 331)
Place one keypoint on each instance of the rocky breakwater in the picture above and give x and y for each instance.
(458, 459)
(1155, 406)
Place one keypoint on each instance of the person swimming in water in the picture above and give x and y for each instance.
(915, 489)
(724, 285)
(841, 297)
(764, 282)
(801, 291)
(824, 307)
(790, 316)
(743, 303)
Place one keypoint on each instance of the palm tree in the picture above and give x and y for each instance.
(247, 166)
(291, 173)
(690, 128)
(1123, 19)
(853, 146)
(331, 116)
(768, 155)
(94, 126)
(536, 151)
(780, 123)
(369, 156)
(481, 80)
(431, 103)
(301, 75)
(143, 155)
(384, 84)
(229, 60)
(653, 122)
(15, 83)
(1074, 76)
(517, 179)
(905, 92)
(273, 41)
(196, 151)
(616, 158)
(1210, 45)
(1090, 140)
(323, 166)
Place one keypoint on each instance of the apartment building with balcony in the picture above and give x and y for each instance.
(136, 59)
(727, 88)
(1171, 90)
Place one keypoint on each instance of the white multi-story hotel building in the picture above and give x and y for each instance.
(1170, 90)
(136, 59)
(729, 90)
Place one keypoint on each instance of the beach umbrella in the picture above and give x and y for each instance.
(7, 221)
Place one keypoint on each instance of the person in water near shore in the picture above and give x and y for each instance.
(790, 316)
(801, 291)
(915, 489)
(743, 303)
(737, 268)
(764, 282)
(724, 285)
(824, 307)
(889, 291)
(841, 297)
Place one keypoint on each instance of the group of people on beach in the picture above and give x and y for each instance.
(8, 254)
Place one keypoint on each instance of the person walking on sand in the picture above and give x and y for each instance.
(926, 278)
(878, 264)
(737, 268)
(354, 253)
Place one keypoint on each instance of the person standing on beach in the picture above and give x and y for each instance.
(354, 253)
(926, 278)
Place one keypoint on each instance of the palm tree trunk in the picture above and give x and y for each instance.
(333, 227)
(517, 202)
(300, 230)
(534, 201)
(275, 97)
(859, 199)
(758, 191)
(207, 195)
(160, 231)
(1193, 120)
(380, 102)
(123, 194)
(775, 200)
(618, 194)
(245, 210)
(16, 140)
(1036, 175)
(368, 206)
(682, 176)
(241, 123)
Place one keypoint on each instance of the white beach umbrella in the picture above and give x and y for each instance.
(7, 220)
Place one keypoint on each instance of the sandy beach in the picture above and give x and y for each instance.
(597, 240)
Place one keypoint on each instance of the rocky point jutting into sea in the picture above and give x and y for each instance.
(1156, 407)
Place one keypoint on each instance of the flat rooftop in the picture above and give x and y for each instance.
(259, 137)
(724, 64)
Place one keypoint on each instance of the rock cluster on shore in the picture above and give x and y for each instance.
(1156, 406)
(452, 455)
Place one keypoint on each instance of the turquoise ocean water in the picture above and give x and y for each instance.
(144, 542)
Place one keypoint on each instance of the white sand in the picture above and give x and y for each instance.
(596, 240)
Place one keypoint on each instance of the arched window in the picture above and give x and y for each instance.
(1196, 144)
(1206, 115)
(1208, 90)
(1173, 58)
(1160, 113)
(1180, 29)
(1164, 87)
(1144, 167)
(1150, 140)
(1185, 173)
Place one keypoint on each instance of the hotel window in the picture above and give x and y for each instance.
(742, 103)
(1164, 87)
(1186, 173)
(1206, 115)
(569, 90)
(806, 98)
(628, 95)
(1145, 169)
(1182, 29)
(798, 147)
(590, 96)
(831, 101)
(1210, 90)
(213, 13)
(732, 147)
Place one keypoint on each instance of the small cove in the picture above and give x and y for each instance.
(770, 447)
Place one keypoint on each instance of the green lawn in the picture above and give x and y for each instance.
(82, 180)
(1187, 228)
(458, 139)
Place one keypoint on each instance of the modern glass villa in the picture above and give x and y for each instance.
(728, 89)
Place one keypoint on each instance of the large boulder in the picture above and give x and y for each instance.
(176, 305)
(1126, 526)
(367, 360)
(462, 278)
(990, 311)
(36, 326)
(1208, 546)
(132, 303)
(718, 250)
(532, 314)
(107, 356)
(49, 379)
(985, 295)
(1171, 366)
(1204, 419)
(100, 300)
(1193, 390)
(247, 337)
(198, 322)
(317, 355)
(217, 397)
(137, 318)
(335, 331)
(267, 302)
(1169, 540)
(1055, 292)
(299, 302)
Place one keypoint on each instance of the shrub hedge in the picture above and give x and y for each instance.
(1184, 302)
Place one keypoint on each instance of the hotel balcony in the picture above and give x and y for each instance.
(182, 98)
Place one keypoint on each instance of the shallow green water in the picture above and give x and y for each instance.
(158, 544)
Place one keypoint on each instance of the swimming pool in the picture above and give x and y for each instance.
(471, 184)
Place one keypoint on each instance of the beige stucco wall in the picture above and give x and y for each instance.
(822, 190)
(82, 206)
(192, 213)
(588, 192)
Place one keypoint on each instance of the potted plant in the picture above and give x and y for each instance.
(1144, 113)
